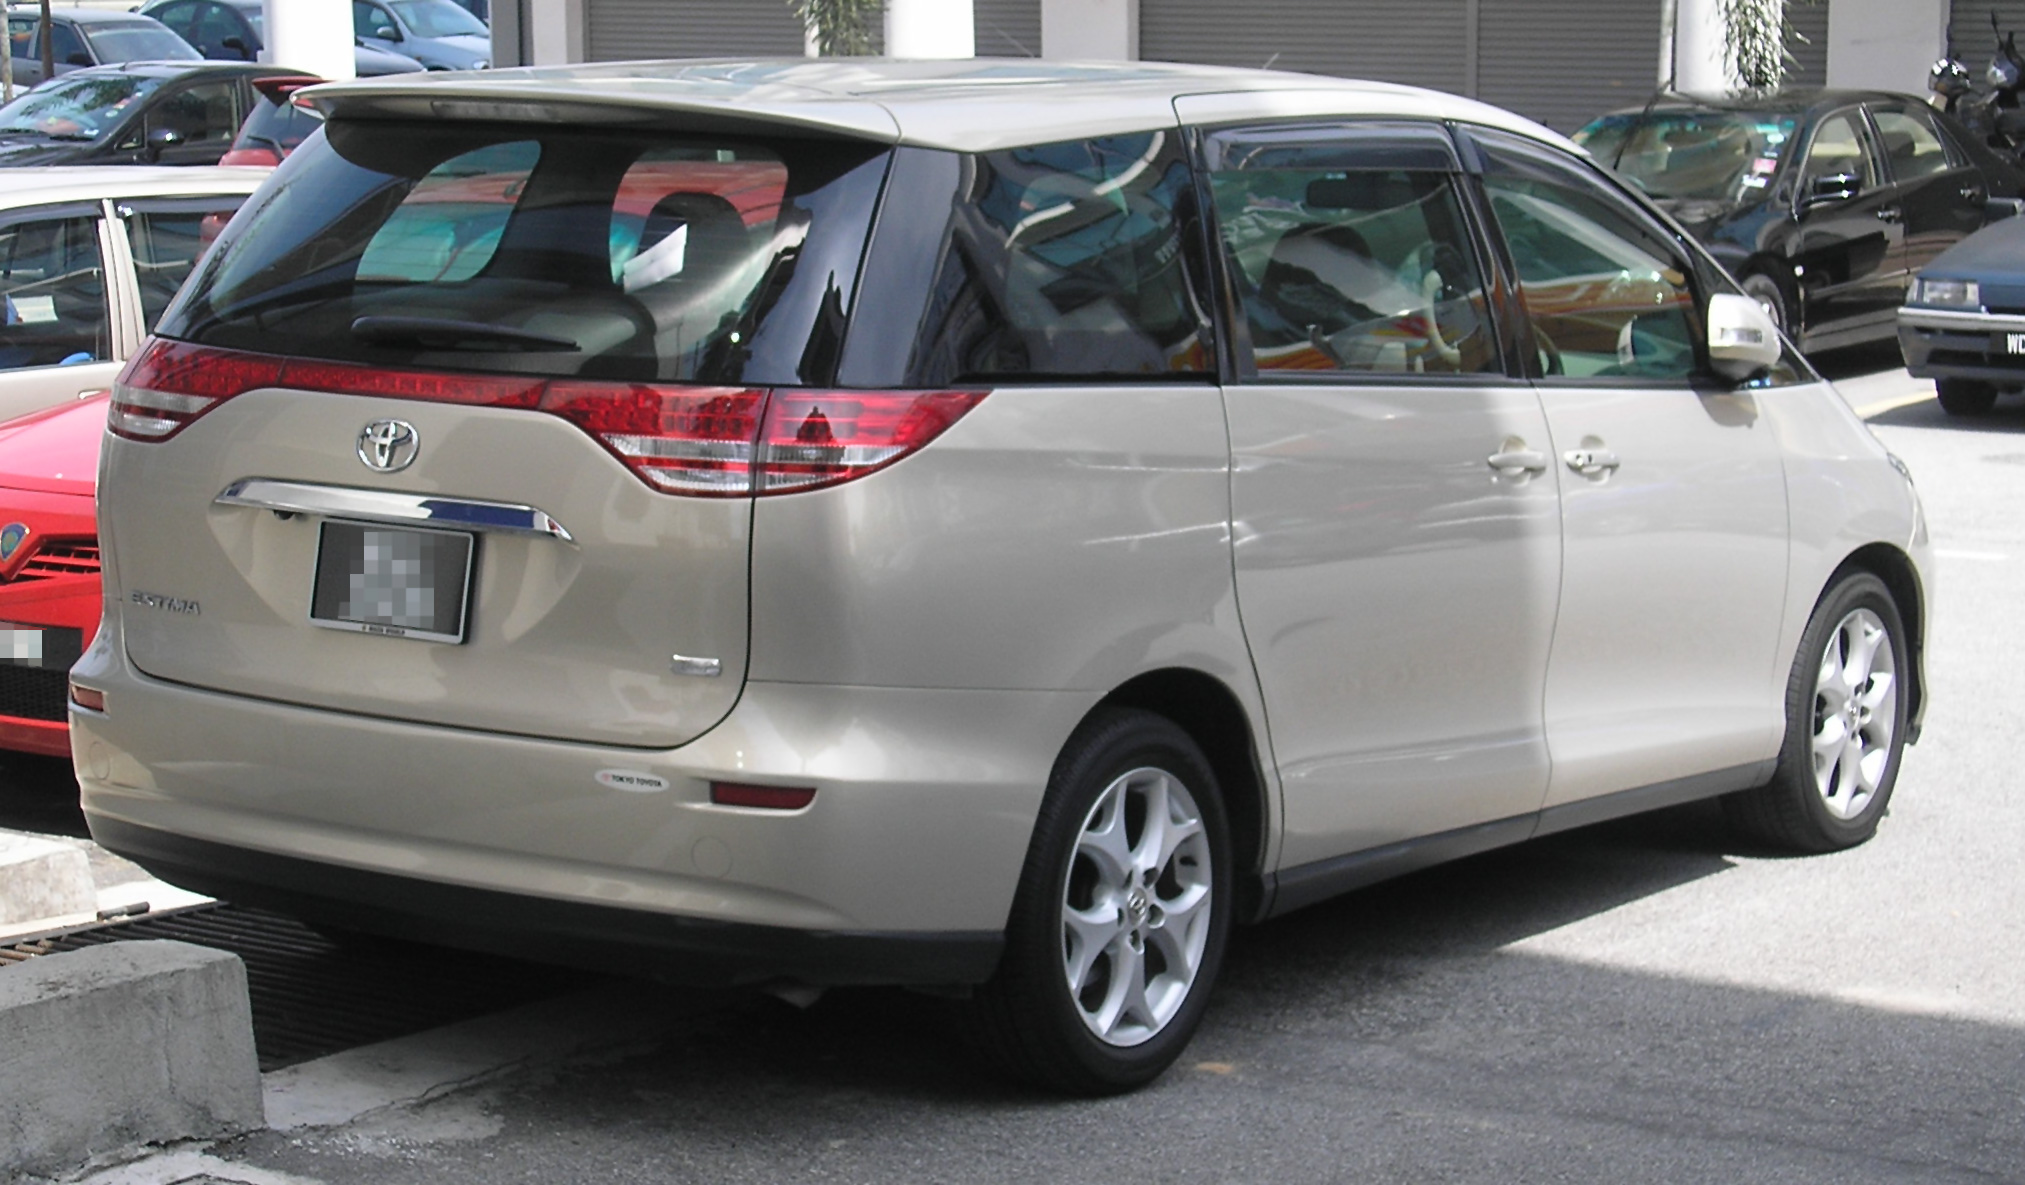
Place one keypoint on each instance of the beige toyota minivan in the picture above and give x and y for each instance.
(984, 525)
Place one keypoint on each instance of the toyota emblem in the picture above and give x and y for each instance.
(388, 446)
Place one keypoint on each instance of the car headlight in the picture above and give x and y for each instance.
(1960, 294)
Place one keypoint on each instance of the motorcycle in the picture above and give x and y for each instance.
(1995, 114)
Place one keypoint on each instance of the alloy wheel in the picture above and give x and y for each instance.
(1855, 713)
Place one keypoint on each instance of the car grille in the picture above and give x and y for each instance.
(61, 557)
(33, 693)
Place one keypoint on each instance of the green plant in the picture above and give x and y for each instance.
(1755, 34)
(841, 27)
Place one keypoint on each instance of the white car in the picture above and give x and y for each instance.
(89, 258)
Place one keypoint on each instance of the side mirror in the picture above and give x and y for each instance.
(386, 33)
(1997, 209)
(1742, 339)
(80, 58)
(238, 46)
(160, 139)
(1838, 187)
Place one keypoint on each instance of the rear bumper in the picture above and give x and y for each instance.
(1964, 345)
(693, 950)
(902, 870)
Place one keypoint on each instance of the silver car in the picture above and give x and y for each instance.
(988, 525)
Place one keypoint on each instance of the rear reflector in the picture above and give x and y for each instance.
(774, 798)
(710, 442)
(92, 699)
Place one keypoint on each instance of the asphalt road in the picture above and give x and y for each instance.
(1637, 1002)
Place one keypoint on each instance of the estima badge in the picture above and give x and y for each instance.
(388, 446)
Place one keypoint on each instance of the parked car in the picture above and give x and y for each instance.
(80, 37)
(278, 123)
(1963, 324)
(795, 522)
(437, 33)
(1821, 203)
(170, 113)
(233, 31)
(89, 259)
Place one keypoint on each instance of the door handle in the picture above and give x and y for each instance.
(1971, 193)
(1590, 462)
(1515, 457)
(1889, 213)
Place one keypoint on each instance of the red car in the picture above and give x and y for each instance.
(49, 589)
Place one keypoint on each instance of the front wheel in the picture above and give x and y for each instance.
(1122, 913)
(1771, 296)
(1965, 397)
(1846, 706)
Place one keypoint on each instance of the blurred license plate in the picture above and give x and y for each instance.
(2011, 343)
(394, 581)
(46, 648)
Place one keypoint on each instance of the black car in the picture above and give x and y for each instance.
(1821, 203)
(1963, 324)
(169, 113)
(231, 31)
(80, 37)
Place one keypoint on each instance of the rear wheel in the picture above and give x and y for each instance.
(1122, 913)
(1771, 296)
(1845, 726)
(1965, 397)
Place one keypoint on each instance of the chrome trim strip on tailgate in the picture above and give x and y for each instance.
(295, 497)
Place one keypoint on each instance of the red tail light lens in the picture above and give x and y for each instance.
(681, 440)
(772, 798)
(697, 441)
(169, 384)
(820, 438)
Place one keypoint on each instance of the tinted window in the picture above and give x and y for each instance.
(167, 238)
(203, 113)
(21, 35)
(279, 123)
(67, 45)
(559, 251)
(1716, 155)
(77, 107)
(1839, 149)
(1606, 292)
(1912, 144)
(1344, 264)
(1058, 261)
(52, 293)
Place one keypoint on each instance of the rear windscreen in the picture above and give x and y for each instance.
(552, 251)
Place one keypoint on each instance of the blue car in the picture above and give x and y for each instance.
(1963, 322)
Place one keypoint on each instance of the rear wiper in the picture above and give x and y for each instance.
(438, 333)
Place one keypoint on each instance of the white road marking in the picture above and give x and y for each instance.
(1882, 406)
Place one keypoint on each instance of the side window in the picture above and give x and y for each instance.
(68, 46)
(369, 20)
(1066, 260)
(181, 20)
(1912, 144)
(167, 240)
(200, 113)
(1344, 263)
(52, 293)
(1606, 292)
(21, 36)
(1839, 150)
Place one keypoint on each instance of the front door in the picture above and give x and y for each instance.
(1673, 505)
(57, 340)
(1394, 506)
(1848, 251)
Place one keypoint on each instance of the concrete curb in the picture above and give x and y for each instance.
(40, 878)
(123, 1044)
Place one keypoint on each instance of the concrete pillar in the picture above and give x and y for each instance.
(312, 35)
(1100, 29)
(1888, 44)
(554, 32)
(930, 29)
(1698, 35)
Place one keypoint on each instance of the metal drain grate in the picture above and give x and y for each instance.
(312, 996)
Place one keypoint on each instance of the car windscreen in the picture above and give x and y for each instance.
(546, 250)
(437, 18)
(279, 123)
(1724, 156)
(135, 41)
(79, 107)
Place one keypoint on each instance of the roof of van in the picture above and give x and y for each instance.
(967, 104)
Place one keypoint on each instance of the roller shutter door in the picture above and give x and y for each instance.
(620, 30)
(1564, 62)
(1969, 36)
(1007, 28)
(1419, 42)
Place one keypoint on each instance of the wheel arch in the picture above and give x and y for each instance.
(1211, 713)
(1896, 569)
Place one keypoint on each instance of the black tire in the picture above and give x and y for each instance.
(1804, 808)
(1774, 298)
(1965, 397)
(1027, 1019)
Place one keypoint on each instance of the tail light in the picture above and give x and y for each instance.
(695, 441)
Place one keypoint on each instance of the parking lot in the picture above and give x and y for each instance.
(1643, 1000)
